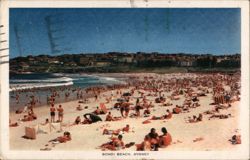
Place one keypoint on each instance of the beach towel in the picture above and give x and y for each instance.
(146, 122)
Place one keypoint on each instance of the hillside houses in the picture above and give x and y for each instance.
(83, 62)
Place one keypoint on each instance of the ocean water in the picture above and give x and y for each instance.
(47, 82)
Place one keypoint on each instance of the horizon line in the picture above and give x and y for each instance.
(179, 53)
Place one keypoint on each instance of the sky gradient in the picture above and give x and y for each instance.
(198, 31)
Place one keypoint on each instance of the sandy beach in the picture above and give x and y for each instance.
(213, 134)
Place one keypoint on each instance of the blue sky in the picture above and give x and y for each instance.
(198, 31)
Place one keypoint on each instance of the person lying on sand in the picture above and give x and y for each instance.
(46, 122)
(145, 145)
(116, 132)
(165, 139)
(13, 124)
(109, 117)
(195, 104)
(62, 139)
(167, 104)
(79, 108)
(236, 139)
(216, 110)
(114, 145)
(22, 110)
(30, 117)
(220, 116)
(192, 120)
(168, 115)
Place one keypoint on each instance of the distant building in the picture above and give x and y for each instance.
(24, 65)
(85, 61)
(53, 60)
(127, 59)
(101, 63)
(185, 63)
(70, 64)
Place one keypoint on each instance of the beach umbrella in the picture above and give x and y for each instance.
(94, 118)
(127, 94)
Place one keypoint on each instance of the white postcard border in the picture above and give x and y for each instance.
(242, 153)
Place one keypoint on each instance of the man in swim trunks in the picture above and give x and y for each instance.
(60, 113)
(52, 113)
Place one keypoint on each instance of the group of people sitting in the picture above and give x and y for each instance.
(152, 141)
(195, 119)
(88, 119)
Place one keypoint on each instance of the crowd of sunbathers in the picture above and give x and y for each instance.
(142, 107)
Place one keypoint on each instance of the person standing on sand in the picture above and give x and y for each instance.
(60, 113)
(52, 113)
